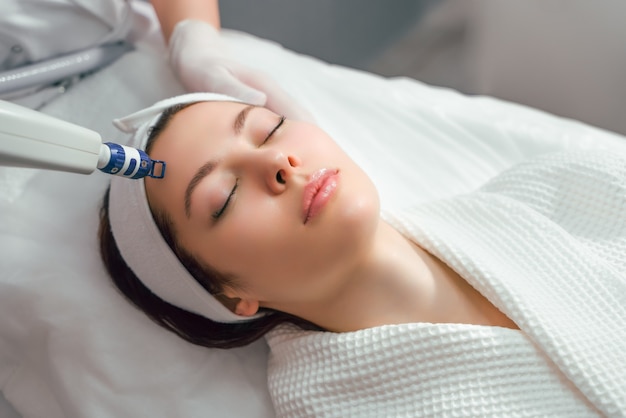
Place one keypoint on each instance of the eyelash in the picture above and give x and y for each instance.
(278, 125)
(216, 215)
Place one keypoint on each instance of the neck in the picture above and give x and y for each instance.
(396, 282)
(390, 283)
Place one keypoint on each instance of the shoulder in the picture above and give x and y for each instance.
(583, 192)
(564, 174)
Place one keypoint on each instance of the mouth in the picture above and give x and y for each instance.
(319, 189)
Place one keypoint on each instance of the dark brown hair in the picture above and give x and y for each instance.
(192, 327)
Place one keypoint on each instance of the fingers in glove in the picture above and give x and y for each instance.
(278, 100)
(223, 81)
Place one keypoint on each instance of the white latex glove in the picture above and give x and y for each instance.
(201, 63)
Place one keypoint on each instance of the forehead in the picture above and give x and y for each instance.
(200, 116)
(199, 124)
(190, 138)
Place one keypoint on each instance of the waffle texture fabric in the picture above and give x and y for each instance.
(544, 241)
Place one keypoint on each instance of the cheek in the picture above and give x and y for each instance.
(258, 236)
(309, 141)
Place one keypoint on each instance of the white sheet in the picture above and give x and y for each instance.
(70, 346)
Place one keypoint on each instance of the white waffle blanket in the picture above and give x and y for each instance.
(546, 242)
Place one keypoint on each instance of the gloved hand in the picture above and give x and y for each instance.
(201, 63)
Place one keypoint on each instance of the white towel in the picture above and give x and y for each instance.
(546, 243)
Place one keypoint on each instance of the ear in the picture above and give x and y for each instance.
(247, 307)
(244, 306)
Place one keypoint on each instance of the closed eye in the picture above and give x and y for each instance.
(278, 125)
(217, 214)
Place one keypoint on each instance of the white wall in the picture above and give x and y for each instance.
(567, 57)
(347, 32)
(564, 56)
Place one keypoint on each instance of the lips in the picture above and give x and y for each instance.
(319, 189)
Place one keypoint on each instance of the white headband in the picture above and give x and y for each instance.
(137, 236)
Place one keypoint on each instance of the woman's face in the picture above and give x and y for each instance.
(277, 204)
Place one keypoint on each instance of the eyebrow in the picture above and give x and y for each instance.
(207, 168)
(240, 120)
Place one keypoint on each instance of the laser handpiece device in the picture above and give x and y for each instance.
(32, 139)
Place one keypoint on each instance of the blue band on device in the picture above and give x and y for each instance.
(138, 163)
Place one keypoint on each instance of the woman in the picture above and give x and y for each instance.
(283, 196)
(275, 221)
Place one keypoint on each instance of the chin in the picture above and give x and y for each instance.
(359, 217)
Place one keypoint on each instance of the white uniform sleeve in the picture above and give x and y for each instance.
(35, 30)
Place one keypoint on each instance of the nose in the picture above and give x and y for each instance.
(277, 169)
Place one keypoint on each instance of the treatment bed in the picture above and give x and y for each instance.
(71, 346)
